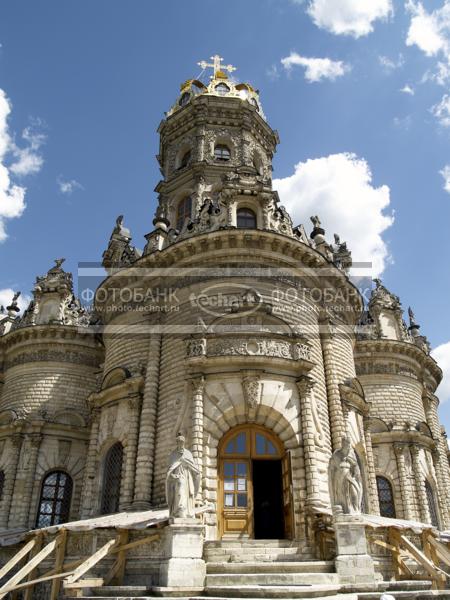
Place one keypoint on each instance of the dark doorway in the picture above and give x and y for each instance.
(268, 499)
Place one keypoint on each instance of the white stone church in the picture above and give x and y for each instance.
(309, 415)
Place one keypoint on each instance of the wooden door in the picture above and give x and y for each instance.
(237, 451)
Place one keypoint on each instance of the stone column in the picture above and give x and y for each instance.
(90, 471)
(336, 416)
(10, 478)
(373, 488)
(442, 492)
(419, 483)
(147, 431)
(313, 500)
(127, 488)
(198, 387)
(29, 472)
(405, 490)
(440, 461)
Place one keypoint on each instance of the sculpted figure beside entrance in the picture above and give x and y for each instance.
(345, 480)
(182, 481)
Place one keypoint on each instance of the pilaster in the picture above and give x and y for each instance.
(373, 489)
(10, 478)
(127, 488)
(337, 423)
(419, 482)
(198, 386)
(87, 500)
(406, 492)
(147, 431)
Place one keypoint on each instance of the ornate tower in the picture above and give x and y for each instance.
(216, 151)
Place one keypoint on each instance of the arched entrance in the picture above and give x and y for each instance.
(255, 487)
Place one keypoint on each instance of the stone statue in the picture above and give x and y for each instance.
(182, 482)
(316, 222)
(58, 262)
(345, 481)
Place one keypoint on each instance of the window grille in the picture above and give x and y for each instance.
(222, 153)
(246, 218)
(385, 497)
(431, 504)
(54, 502)
(112, 475)
(184, 209)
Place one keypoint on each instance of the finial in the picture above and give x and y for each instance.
(216, 65)
(412, 319)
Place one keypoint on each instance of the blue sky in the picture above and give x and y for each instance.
(87, 83)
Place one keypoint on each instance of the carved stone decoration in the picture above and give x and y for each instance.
(251, 387)
(119, 252)
(182, 481)
(196, 347)
(258, 347)
(345, 480)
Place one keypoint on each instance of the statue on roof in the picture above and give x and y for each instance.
(14, 306)
(412, 318)
(316, 222)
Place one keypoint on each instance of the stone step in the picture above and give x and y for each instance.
(272, 591)
(246, 543)
(129, 591)
(314, 566)
(270, 579)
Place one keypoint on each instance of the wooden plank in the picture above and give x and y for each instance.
(30, 566)
(90, 562)
(59, 563)
(117, 572)
(17, 558)
(43, 579)
(136, 543)
(384, 544)
(442, 551)
(84, 583)
(32, 575)
(438, 577)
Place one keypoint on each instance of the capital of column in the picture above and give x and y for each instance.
(305, 385)
(414, 449)
(400, 449)
(197, 385)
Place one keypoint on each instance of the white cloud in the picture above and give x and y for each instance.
(12, 197)
(429, 31)
(403, 122)
(68, 186)
(28, 159)
(441, 111)
(407, 89)
(349, 17)
(316, 69)
(441, 355)
(272, 72)
(6, 295)
(446, 175)
(391, 65)
(339, 189)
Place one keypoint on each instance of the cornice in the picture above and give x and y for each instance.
(50, 334)
(121, 391)
(371, 349)
(403, 438)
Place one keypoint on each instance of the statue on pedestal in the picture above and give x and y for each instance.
(182, 482)
(345, 480)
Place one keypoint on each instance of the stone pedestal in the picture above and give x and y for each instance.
(183, 565)
(353, 563)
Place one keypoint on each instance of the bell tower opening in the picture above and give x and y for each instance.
(254, 485)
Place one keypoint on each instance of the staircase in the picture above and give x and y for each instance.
(266, 569)
(270, 569)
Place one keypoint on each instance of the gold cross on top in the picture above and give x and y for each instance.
(216, 65)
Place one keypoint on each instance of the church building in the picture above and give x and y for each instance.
(242, 337)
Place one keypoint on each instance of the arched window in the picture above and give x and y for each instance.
(184, 99)
(246, 218)
(2, 484)
(222, 153)
(54, 503)
(385, 497)
(222, 89)
(112, 475)
(185, 160)
(431, 504)
(183, 211)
